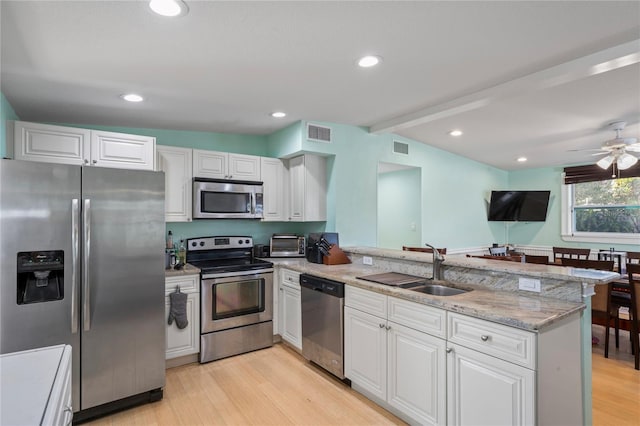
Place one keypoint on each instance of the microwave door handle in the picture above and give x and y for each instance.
(253, 203)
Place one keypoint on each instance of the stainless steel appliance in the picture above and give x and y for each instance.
(224, 199)
(236, 293)
(83, 264)
(323, 322)
(287, 245)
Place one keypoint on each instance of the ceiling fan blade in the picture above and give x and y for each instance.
(584, 150)
(633, 148)
(600, 153)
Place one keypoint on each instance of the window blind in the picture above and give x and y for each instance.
(593, 173)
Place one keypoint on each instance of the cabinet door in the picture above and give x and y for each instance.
(122, 151)
(176, 163)
(51, 144)
(244, 167)
(273, 178)
(184, 341)
(291, 306)
(365, 351)
(417, 374)
(484, 390)
(296, 189)
(210, 164)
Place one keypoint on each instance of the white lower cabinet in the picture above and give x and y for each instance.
(429, 366)
(290, 308)
(485, 390)
(185, 341)
(400, 367)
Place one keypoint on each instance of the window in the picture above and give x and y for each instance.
(602, 211)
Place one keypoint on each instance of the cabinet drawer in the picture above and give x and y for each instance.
(366, 301)
(187, 283)
(290, 278)
(418, 317)
(507, 343)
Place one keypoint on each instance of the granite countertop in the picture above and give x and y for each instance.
(187, 270)
(515, 309)
(460, 260)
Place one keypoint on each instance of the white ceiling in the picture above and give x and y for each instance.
(517, 77)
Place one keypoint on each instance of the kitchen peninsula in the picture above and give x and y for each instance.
(494, 353)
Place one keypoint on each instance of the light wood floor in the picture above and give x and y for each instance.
(616, 384)
(276, 386)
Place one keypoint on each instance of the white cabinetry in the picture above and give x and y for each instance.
(176, 163)
(186, 341)
(307, 188)
(273, 173)
(68, 145)
(224, 165)
(290, 308)
(395, 354)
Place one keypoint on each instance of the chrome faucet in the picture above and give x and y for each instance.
(437, 263)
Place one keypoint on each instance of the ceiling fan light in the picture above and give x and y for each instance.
(605, 162)
(626, 160)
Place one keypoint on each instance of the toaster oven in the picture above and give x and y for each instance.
(288, 245)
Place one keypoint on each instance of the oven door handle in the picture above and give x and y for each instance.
(236, 274)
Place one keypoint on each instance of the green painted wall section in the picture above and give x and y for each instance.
(548, 233)
(399, 212)
(6, 113)
(285, 142)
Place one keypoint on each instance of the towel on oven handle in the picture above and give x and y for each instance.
(178, 309)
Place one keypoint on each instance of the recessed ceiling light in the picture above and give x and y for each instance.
(169, 7)
(132, 97)
(369, 61)
(456, 133)
(521, 159)
(278, 114)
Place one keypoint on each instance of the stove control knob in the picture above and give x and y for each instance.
(246, 241)
(193, 244)
(239, 241)
(201, 243)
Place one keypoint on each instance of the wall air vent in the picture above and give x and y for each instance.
(400, 147)
(318, 133)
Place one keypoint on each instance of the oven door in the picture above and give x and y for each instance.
(232, 301)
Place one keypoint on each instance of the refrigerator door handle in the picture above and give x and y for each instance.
(75, 229)
(86, 310)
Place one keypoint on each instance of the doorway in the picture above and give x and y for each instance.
(399, 206)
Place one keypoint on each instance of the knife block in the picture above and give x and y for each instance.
(335, 257)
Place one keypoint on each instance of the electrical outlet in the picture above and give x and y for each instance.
(529, 284)
(366, 260)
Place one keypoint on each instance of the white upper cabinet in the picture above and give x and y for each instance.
(69, 145)
(176, 163)
(307, 188)
(274, 189)
(223, 165)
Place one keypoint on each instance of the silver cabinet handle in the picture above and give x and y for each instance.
(75, 248)
(388, 327)
(484, 337)
(381, 325)
(449, 350)
(95, 161)
(86, 161)
(86, 310)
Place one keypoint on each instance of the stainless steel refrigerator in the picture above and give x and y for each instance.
(82, 263)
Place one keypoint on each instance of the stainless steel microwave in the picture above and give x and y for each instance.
(226, 199)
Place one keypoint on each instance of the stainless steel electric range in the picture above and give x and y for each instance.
(236, 296)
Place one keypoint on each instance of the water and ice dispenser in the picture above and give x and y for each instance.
(40, 276)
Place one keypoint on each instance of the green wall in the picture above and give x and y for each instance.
(399, 212)
(6, 113)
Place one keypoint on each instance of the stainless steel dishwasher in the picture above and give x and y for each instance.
(322, 322)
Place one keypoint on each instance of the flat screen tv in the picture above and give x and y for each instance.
(519, 206)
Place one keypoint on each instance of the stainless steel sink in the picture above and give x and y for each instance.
(438, 290)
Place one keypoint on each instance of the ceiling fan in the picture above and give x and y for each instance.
(616, 150)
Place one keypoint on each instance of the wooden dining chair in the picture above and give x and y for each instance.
(633, 271)
(633, 257)
(570, 253)
(601, 303)
(424, 249)
(541, 260)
